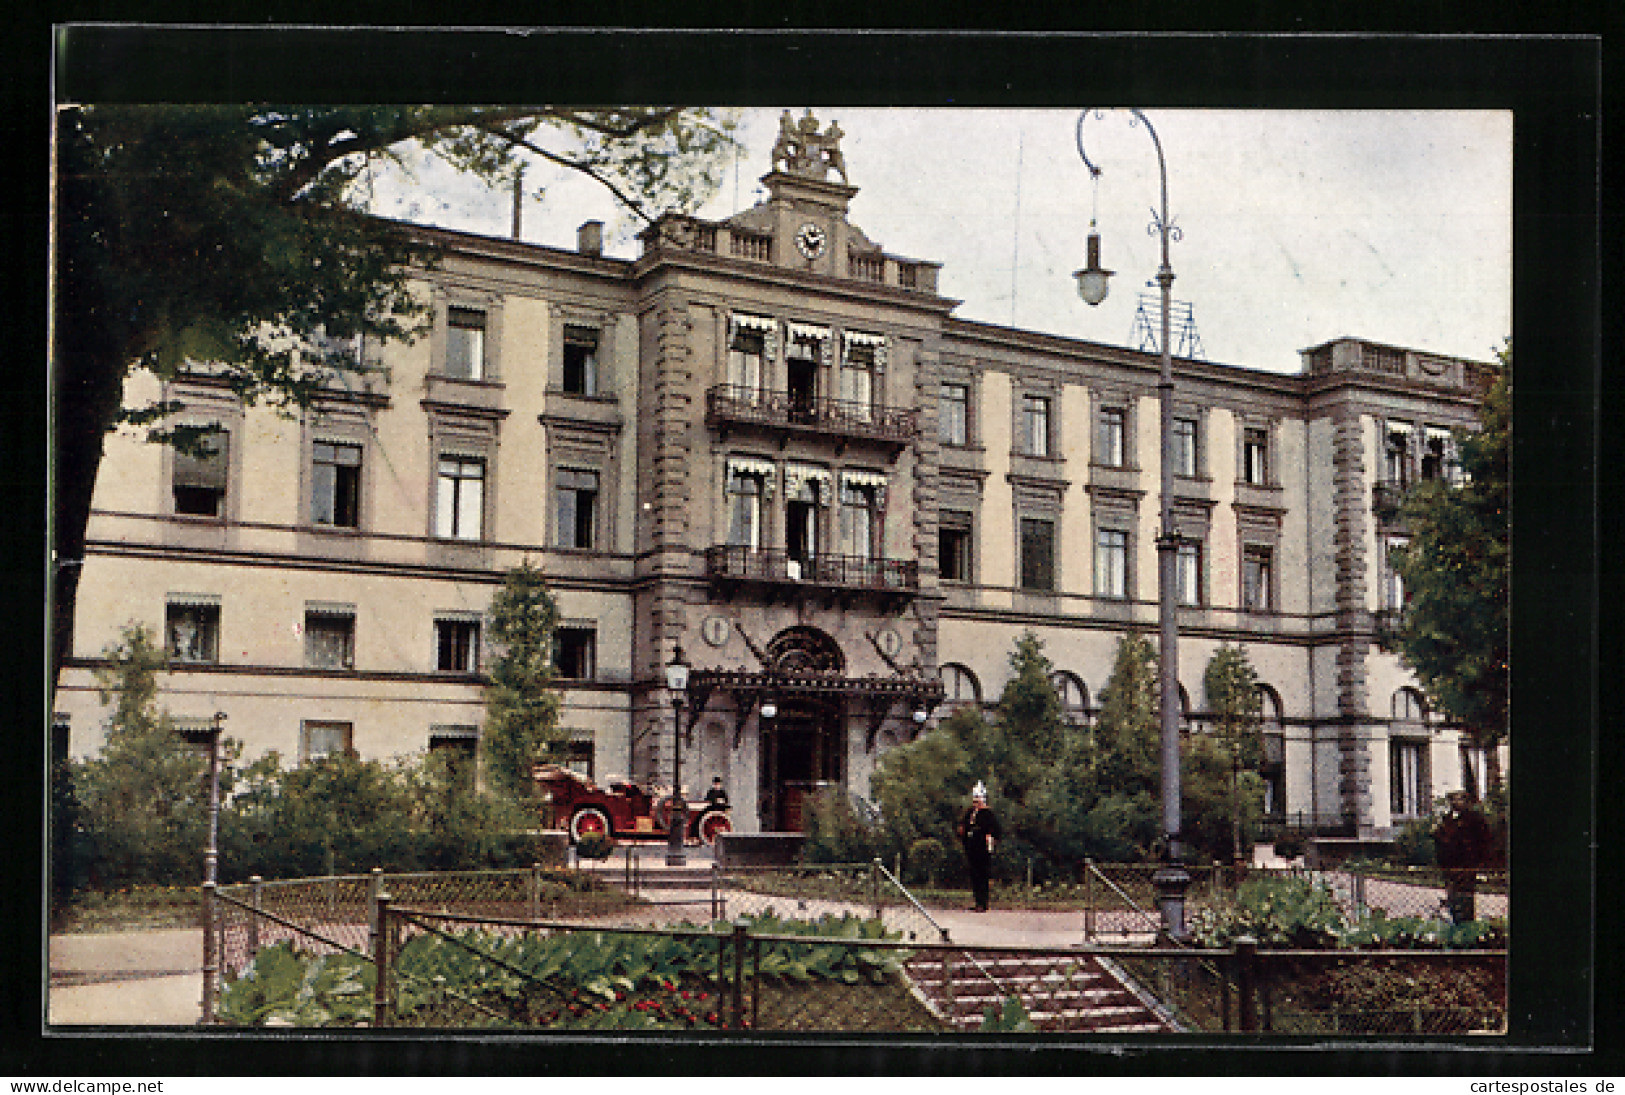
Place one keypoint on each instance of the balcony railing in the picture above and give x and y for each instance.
(737, 563)
(1387, 496)
(737, 403)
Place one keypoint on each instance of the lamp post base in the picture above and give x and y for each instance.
(676, 855)
(1171, 882)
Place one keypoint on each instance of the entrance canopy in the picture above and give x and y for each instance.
(876, 697)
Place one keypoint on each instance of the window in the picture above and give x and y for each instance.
(192, 630)
(953, 415)
(200, 479)
(745, 509)
(1109, 436)
(1396, 464)
(1035, 425)
(576, 653)
(465, 343)
(1272, 766)
(335, 484)
(1408, 706)
(954, 546)
(960, 685)
(1037, 554)
(577, 753)
(578, 508)
(745, 353)
(1111, 563)
(1184, 447)
(1436, 447)
(858, 379)
(1188, 572)
(457, 748)
(318, 740)
(457, 645)
(1255, 578)
(1074, 697)
(330, 638)
(1407, 778)
(580, 360)
(1393, 585)
(1472, 770)
(460, 498)
(1255, 455)
(858, 524)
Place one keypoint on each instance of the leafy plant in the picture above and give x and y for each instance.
(1278, 912)
(1009, 1018)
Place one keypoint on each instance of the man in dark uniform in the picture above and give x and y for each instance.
(716, 796)
(979, 831)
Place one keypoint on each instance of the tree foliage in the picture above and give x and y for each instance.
(521, 705)
(236, 235)
(1063, 792)
(1456, 569)
(1231, 684)
(142, 803)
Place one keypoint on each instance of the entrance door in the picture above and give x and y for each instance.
(801, 756)
(802, 376)
(801, 536)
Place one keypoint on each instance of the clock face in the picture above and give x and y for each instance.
(810, 240)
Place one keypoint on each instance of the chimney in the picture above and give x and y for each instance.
(590, 238)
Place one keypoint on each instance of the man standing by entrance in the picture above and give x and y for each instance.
(978, 832)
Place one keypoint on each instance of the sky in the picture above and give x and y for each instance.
(1297, 227)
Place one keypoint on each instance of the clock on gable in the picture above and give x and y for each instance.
(810, 240)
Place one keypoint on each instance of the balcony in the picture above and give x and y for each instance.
(732, 406)
(735, 568)
(1387, 496)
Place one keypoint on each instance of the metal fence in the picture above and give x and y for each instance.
(843, 948)
(1118, 900)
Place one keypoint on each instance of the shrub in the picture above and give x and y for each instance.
(1289, 845)
(836, 833)
(926, 861)
(595, 846)
(1413, 844)
(1278, 912)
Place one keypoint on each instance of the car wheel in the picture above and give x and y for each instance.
(588, 821)
(711, 826)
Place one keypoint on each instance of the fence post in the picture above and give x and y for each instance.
(1246, 976)
(533, 895)
(257, 897)
(381, 960)
(716, 882)
(211, 953)
(375, 886)
(947, 978)
(737, 991)
(874, 886)
(1088, 900)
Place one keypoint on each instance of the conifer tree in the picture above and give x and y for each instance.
(521, 705)
(1231, 684)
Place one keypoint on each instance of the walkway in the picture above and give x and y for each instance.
(144, 978)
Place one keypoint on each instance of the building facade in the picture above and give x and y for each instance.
(769, 444)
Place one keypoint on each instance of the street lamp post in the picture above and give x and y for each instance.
(1171, 880)
(677, 806)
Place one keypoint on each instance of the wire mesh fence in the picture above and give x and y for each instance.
(1119, 900)
(813, 949)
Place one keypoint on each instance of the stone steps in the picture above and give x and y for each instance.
(1059, 993)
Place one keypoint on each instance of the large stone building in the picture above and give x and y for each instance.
(770, 442)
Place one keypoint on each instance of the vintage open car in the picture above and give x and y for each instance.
(622, 810)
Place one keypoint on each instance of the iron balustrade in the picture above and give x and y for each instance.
(740, 563)
(739, 403)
